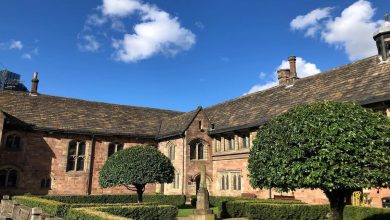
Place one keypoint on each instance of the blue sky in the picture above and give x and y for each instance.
(175, 54)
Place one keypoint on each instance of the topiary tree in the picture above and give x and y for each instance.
(335, 147)
(135, 167)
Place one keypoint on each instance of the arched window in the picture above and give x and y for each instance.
(239, 182)
(46, 183)
(76, 156)
(171, 150)
(113, 148)
(8, 178)
(176, 181)
(197, 150)
(223, 182)
(13, 142)
(234, 182)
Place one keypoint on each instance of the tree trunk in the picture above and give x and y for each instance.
(337, 203)
(140, 192)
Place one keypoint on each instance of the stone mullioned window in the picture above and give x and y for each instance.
(76, 156)
(232, 142)
(230, 180)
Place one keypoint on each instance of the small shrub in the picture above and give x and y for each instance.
(365, 213)
(53, 208)
(141, 212)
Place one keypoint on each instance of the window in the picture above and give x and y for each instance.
(245, 141)
(217, 144)
(197, 149)
(176, 181)
(230, 180)
(230, 143)
(76, 156)
(46, 183)
(8, 178)
(171, 150)
(113, 148)
(200, 125)
(13, 142)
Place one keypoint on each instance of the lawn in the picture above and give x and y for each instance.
(185, 211)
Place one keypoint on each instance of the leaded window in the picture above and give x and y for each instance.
(197, 149)
(8, 178)
(113, 148)
(13, 142)
(76, 156)
(171, 150)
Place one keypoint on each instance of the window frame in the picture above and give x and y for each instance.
(8, 170)
(117, 147)
(14, 134)
(77, 157)
(171, 147)
(194, 150)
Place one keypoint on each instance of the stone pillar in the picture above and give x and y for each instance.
(222, 144)
(388, 112)
(236, 142)
(202, 211)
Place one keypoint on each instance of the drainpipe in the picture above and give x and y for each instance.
(183, 164)
(91, 162)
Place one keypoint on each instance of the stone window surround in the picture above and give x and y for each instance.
(9, 168)
(226, 180)
(221, 145)
(9, 133)
(118, 146)
(171, 150)
(176, 181)
(205, 148)
(77, 156)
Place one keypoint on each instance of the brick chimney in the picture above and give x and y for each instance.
(283, 76)
(288, 76)
(34, 85)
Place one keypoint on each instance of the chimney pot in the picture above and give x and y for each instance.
(34, 84)
(293, 68)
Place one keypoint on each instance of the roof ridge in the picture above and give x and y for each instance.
(301, 79)
(91, 101)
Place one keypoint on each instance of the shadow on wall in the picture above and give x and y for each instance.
(25, 162)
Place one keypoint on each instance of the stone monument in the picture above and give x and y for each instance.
(202, 211)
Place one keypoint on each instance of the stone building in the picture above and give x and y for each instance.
(56, 145)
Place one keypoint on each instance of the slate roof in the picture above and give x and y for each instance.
(45, 112)
(365, 81)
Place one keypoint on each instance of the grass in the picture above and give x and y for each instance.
(185, 211)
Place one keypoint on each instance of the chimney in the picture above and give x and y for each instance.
(34, 85)
(283, 76)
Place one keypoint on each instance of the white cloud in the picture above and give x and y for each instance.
(304, 69)
(157, 33)
(310, 21)
(200, 25)
(27, 56)
(120, 8)
(11, 44)
(89, 43)
(15, 44)
(351, 31)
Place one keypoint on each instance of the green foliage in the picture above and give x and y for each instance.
(326, 145)
(141, 212)
(137, 165)
(90, 214)
(175, 200)
(263, 211)
(366, 213)
(221, 202)
(53, 208)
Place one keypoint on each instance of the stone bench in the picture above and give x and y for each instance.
(10, 210)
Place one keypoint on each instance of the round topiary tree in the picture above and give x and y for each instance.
(135, 167)
(335, 147)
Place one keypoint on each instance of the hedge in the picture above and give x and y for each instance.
(90, 214)
(263, 211)
(366, 213)
(141, 212)
(175, 200)
(53, 208)
(220, 202)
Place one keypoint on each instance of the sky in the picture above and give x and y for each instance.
(175, 54)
